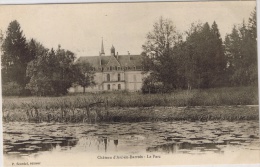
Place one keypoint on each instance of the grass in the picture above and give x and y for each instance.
(116, 106)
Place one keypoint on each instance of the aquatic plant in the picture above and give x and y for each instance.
(121, 106)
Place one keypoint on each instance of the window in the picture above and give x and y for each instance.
(118, 68)
(134, 68)
(108, 87)
(119, 86)
(134, 78)
(119, 77)
(108, 77)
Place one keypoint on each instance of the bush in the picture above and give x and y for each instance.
(11, 89)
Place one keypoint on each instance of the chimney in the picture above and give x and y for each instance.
(128, 52)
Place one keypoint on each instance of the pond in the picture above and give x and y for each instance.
(38, 142)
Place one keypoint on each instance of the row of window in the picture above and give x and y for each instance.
(117, 68)
(119, 77)
(118, 87)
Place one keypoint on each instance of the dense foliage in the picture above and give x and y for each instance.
(15, 56)
(241, 52)
(199, 59)
(84, 75)
(202, 60)
(51, 73)
(30, 68)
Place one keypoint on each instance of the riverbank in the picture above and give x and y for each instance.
(94, 115)
(225, 104)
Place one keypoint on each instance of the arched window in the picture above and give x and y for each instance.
(108, 77)
(119, 86)
(108, 87)
(118, 77)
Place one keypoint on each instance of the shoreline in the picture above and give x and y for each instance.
(134, 114)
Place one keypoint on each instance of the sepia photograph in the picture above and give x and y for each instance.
(129, 84)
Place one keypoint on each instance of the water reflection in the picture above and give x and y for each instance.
(115, 142)
(21, 139)
(38, 144)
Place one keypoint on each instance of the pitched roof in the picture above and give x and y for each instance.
(113, 62)
(124, 60)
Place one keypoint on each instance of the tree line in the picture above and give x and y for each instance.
(197, 59)
(203, 59)
(29, 68)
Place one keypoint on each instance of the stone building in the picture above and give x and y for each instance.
(113, 72)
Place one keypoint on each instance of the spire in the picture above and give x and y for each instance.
(102, 48)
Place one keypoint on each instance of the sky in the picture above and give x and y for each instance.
(81, 27)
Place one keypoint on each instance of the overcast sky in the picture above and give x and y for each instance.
(80, 27)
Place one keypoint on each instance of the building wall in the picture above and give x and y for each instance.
(134, 80)
(129, 80)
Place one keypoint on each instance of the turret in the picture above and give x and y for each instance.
(113, 51)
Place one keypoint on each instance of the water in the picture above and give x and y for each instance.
(36, 142)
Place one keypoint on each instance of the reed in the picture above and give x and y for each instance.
(123, 106)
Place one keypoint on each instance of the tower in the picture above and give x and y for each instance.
(113, 51)
(102, 49)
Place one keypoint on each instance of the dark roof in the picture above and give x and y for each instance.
(124, 60)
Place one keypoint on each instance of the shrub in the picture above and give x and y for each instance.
(11, 89)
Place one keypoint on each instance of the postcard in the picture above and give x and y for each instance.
(130, 84)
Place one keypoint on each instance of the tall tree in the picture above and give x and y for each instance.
(233, 55)
(15, 55)
(158, 52)
(241, 51)
(204, 56)
(51, 73)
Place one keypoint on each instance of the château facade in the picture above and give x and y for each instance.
(114, 72)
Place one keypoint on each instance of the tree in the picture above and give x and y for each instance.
(1, 39)
(158, 56)
(84, 75)
(220, 61)
(15, 55)
(233, 55)
(52, 72)
(205, 59)
(241, 52)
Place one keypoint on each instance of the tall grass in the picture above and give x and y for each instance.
(80, 107)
